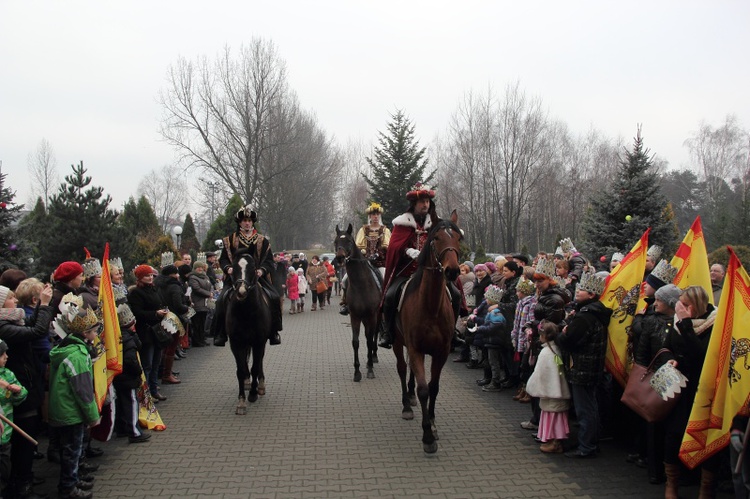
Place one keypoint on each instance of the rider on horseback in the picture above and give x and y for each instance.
(247, 236)
(407, 240)
(372, 239)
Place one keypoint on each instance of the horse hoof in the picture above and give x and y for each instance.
(240, 411)
(357, 377)
(430, 448)
(370, 375)
(253, 397)
(262, 387)
(407, 415)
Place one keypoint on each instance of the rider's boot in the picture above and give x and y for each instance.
(276, 325)
(344, 309)
(387, 325)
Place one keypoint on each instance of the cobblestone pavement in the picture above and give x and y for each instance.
(316, 433)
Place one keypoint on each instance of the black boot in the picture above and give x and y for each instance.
(275, 338)
(386, 335)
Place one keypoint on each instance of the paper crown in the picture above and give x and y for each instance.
(545, 266)
(664, 272)
(374, 208)
(116, 263)
(592, 283)
(566, 245)
(73, 317)
(167, 258)
(559, 280)
(125, 315)
(91, 268)
(654, 252)
(420, 190)
(526, 286)
(493, 294)
(617, 257)
(200, 257)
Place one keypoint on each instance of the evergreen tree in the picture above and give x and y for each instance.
(224, 224)
(189, 241)
(397, 164)
(10, 246)
(32, 231)
(620, 214)
(78, 216)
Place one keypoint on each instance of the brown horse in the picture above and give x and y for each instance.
(362, 296)
(425, 320)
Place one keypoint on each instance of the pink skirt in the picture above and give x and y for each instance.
(553, 425)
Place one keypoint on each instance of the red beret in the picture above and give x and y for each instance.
(142, 271)
(67, 271)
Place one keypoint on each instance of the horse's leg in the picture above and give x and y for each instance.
(412, 394)
(436, 368)
(398, 350)
(240, 359)
(256, 371)
(371, 338)
(416, 360)
(356, 322)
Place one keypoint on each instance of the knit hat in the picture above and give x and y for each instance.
(169, 270)
(142, 271)
(480, 266)
(493, 294)
(3, 294)
(662, 274)
(125, 315)
(67, 271)
(3, 347)
(669, 294)
(300, 270)
(184, 269)
(291, 270)
(491, 267)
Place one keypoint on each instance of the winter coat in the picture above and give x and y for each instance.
(302, 286)
(551, 305)
(548, 381)
(651, 339)
(201, 288)
(90, 297)
(315, 274)
(130, 377)
(509, 300)
(494, 332)
(584, 343)
(688, 342)
(59, 289)
(524, 315)
(71, 390)
(172, 294)
(8, 400)
(479, 287)
(21, 358)
(292, 286)
(144, 302)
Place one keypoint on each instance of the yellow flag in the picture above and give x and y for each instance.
(691, 261)
(724, 386)
(108, 365)
(148, 415)
(621, 296)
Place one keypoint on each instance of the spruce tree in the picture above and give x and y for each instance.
(78, 216)
(224, 224)
(10, 246)
(32, 230)
(620, 214)
(189, 241)
(397, 164)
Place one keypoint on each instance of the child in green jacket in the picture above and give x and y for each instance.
(11, 394)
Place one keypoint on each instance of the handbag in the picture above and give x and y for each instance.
(162, 337)
(641, 396)
(321, 287)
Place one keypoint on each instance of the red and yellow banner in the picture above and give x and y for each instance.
(724, 386)
(108, 365)
(621, 295)
(691, 261)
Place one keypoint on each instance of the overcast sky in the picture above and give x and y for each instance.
(86, 75)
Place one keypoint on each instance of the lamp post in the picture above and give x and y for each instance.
(214, 189)
(177, 231)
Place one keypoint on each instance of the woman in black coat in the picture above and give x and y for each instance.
(126, 383)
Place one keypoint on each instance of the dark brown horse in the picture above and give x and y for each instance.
(248, 324)
(425, 320)
(362, 297)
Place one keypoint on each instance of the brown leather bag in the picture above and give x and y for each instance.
(642, 398)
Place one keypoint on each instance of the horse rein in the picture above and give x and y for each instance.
(439, 256)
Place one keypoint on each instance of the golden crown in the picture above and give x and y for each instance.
(592, 283)
(545, 266)
(91, 268)
(74, 318)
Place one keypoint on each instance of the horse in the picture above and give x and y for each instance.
(362, 297)
(425, 320)
(248, 324)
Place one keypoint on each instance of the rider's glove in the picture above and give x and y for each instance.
(412, 253)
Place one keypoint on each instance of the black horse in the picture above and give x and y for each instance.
(362, 296)
(248, 324)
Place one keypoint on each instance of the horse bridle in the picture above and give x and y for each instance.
(250, 284)
(439, 256)
(348, 258)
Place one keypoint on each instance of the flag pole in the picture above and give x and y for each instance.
(19, 430)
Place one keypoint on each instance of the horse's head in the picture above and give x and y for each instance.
(344, 245)
(243, 273)
(443, 247)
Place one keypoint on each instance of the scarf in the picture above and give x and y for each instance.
(15, 315)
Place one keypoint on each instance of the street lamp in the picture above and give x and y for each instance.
(177, 231)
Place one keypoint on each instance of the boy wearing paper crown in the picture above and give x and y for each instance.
(11, 394)
(72, 405)
(584, 344)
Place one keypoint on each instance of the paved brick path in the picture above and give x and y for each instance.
(316, 433)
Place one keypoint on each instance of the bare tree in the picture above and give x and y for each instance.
(166, 191)
(42, 166)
